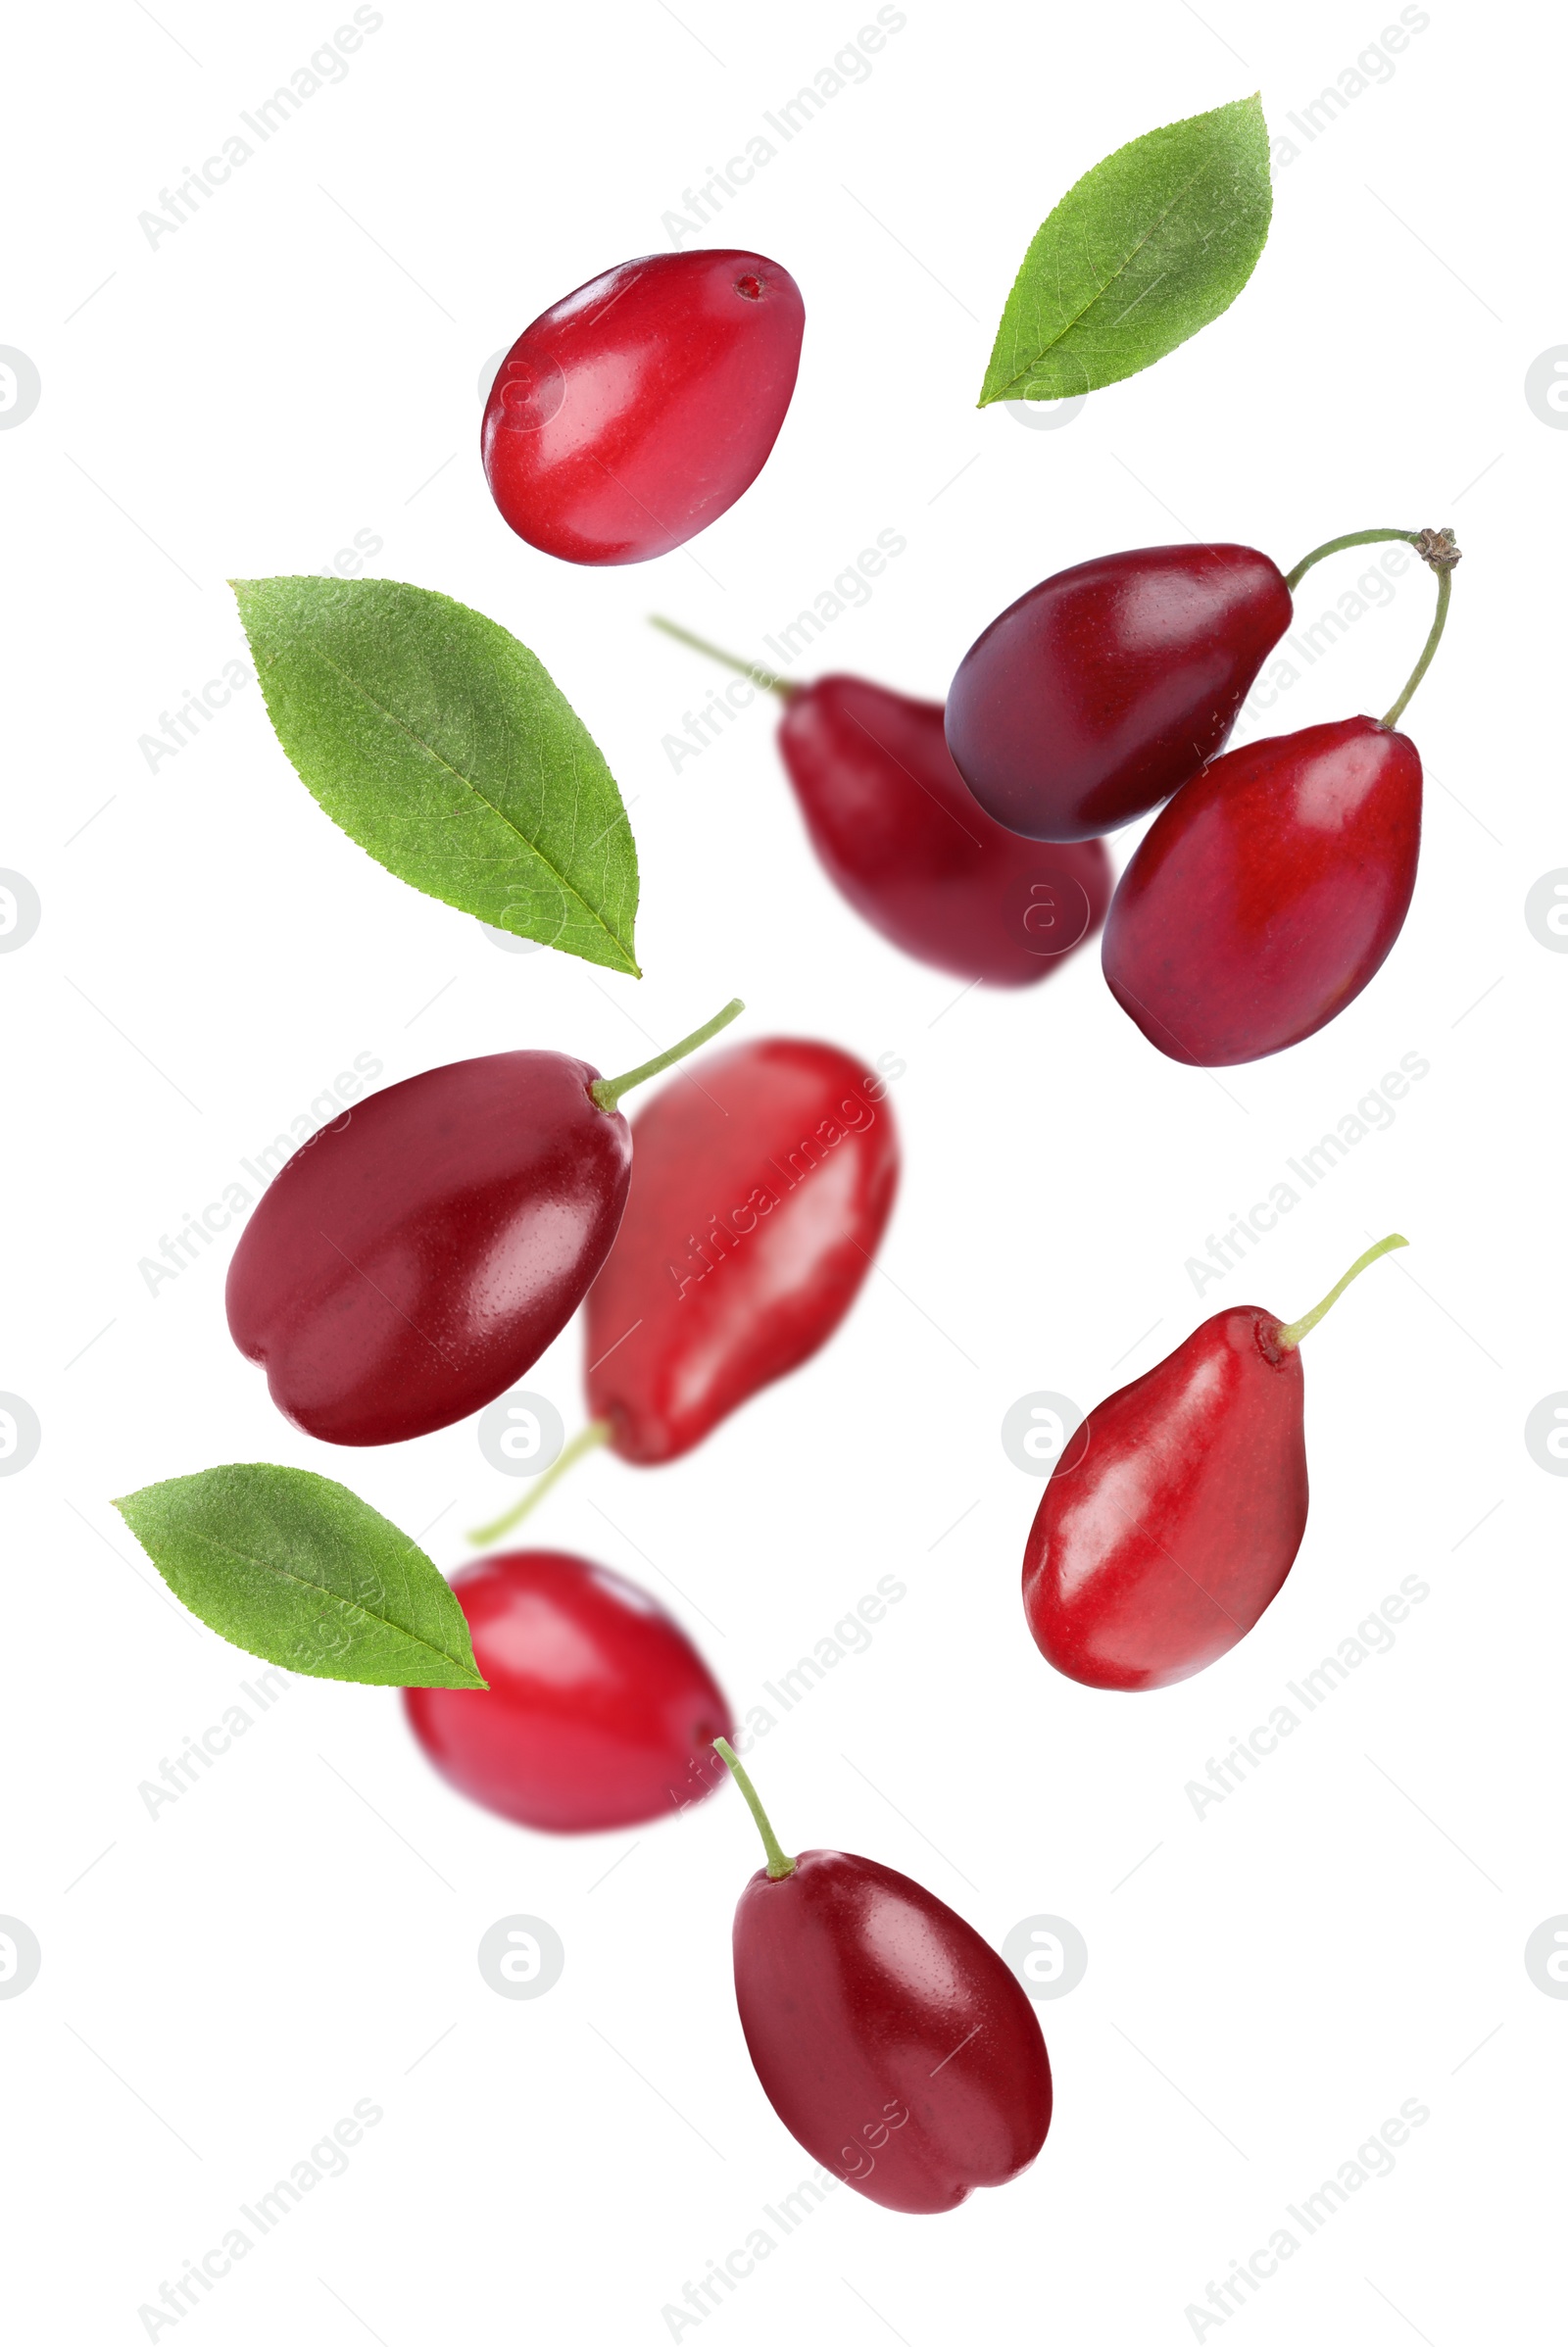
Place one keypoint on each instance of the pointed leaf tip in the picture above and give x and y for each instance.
(300, 1571)
(444, 750)
(1149, 246)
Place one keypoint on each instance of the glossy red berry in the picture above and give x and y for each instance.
(916, 855)
(600, 1712)
(638, 408)
(1174, 1513)
(1103, 689)
(411, 1261)
(413, 1258)
(892, 2042)
(1176, 1510)
(758, 1200)
(1268, 893)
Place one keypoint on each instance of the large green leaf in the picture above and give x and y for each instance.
(1151, 245)
(302, 1572)
(438, 742)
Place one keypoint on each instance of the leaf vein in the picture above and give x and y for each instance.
(1050, 342)
(266, 1565)
(566, 887)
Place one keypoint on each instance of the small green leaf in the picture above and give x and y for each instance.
(300, 1571)
(437, 740)
(1151, 245)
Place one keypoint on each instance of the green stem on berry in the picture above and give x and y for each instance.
(1294, 578)
(1433, 639)
(768, 678)
(607, 1089)
(1288, 1337)
(596, 1432)
(1436, 550)
(779, 1866)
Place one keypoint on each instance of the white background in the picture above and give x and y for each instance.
(300, 361)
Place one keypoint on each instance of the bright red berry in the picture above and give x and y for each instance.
(1100, 692)
(894, 2043)
(757, 1205)
(413, 1258)
(1268, 893)
(600, 1712)
(637, 409)
(412, 1261)
(917, 855)
(1175, 1512)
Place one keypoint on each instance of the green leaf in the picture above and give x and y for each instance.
(300, 1571)
(437, 740)
(1151, 245)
